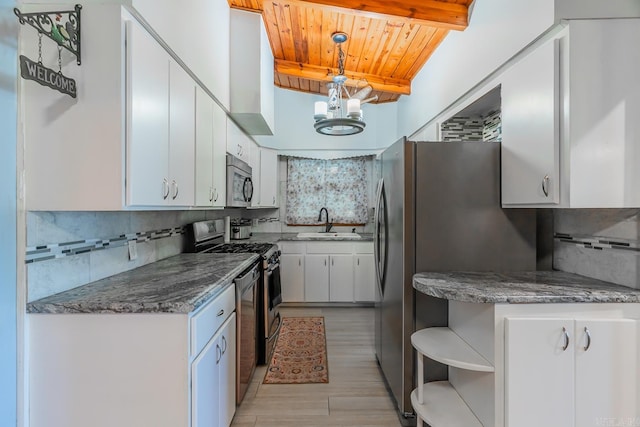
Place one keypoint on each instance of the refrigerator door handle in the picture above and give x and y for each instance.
(380, 207)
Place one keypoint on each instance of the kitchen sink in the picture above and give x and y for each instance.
(323, 235)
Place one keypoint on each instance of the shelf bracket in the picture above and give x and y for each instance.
(63, 27)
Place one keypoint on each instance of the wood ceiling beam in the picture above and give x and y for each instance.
(322, 74)
(425, 12)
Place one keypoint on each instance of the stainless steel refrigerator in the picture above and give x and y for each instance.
(438, 209)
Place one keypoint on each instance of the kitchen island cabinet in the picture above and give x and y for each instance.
(530, 329)
(152, 346)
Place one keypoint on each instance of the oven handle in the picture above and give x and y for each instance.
(275, 334)
(272, 268)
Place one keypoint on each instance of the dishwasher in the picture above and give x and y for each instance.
(247, 340)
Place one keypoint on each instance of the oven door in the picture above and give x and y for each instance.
(239, 184)
(272, 300)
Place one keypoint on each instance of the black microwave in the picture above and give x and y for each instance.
(239, 184)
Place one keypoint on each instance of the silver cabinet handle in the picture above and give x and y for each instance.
(215, 192)
(358, 261)
(218, 354)
(274, 200)
(545, 185)
(299, 262)
(331, 261)
(174, 184)
(566, 339)
(586, 331)
(210, 194)
(224, 344)
(220, 313)
(325, 262)
(165, 188)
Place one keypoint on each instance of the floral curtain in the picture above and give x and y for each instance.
(340, 185)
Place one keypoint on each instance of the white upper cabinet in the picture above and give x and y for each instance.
(159, 171)
(269, 175)
(238, 144)
(530, 128)
(204, 149)
(252, 87)
(219, 157)
(148, 119)
(570, 129)
(198, 32)
(127, 140)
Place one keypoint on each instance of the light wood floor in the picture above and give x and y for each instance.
(355, 395)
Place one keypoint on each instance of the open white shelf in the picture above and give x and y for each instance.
(443, 406)
(445, 346)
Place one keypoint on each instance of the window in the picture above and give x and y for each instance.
(341, 186)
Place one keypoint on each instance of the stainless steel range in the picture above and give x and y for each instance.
(208, 237)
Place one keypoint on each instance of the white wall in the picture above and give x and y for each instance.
(498, 29)
(295, 134)
(8, 213)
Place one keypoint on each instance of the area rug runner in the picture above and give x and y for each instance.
(300, 355)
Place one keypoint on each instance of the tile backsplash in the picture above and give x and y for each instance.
(69, 249)
(599, 243)
(486, 128)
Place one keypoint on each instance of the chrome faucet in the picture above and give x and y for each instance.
(328, 225)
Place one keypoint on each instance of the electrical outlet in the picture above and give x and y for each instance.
(133, 250)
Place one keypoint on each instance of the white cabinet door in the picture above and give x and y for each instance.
(539, 372)
(238, 144)
(341, 278)
(292, 277)
(219, 157)
(606, 372)
(254, 162)
(181, 136)
(530, 128)
(227, 369)
(205, 385)
(316, 278)
(364, 278)
(147, 119)
(268, 177)
(204, 149)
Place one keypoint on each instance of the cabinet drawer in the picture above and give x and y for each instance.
(329, 248)
(363, 247)
(206, 321)
(292, 247)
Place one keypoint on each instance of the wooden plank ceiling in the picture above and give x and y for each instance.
(389, 41)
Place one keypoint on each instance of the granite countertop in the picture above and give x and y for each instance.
(293, 237)
(179, 284)
(522, 288)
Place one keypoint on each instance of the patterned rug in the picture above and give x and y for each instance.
(300, 355)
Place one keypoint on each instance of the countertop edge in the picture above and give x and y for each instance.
(460, 287)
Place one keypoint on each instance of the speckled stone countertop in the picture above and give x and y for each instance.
(293, 237)
(179, 284)
(522, 288)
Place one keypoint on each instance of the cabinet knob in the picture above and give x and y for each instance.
(545, 185)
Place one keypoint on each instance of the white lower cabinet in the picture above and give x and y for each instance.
(292, 277)
(341, 278)
(327, 271)
(585, 371)
(213, 379)
(316, 278)
(134, 369)
(532, 365)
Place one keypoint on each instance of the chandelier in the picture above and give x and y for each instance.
(329, 116)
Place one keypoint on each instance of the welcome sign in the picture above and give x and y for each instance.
(37, 72)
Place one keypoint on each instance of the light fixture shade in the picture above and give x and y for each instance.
(330, 116)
